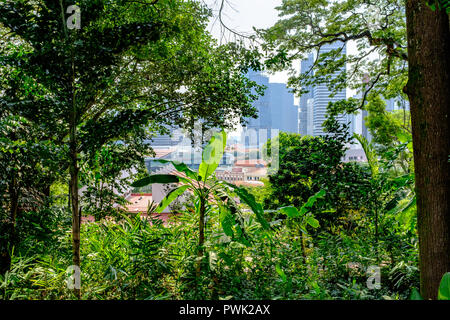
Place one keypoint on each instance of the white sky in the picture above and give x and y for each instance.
(243, 15)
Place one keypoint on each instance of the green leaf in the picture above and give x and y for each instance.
(401, 208)
(370, 153)
(415, 295)
(171, 196)
(228, 260)
(444, 287)
(403, 180)
(212, 260)
(312, 222)
(156, 178)
(212, 154)
(410, 147)
(249, 200)
(281, 273)
(311, 200)
(227, 221)
(290, 211)
(403, 137)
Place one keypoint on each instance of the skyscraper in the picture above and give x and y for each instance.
(305, 66)
(276, 109)
(397, 103)
(284, 113)
(322, 97)
(310, 117)
(264, 120)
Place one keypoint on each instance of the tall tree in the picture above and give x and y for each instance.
(130, 65)
(401, 44)
(428, 89)
(25, 176)
(308, 165)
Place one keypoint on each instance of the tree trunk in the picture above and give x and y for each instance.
(201, 237)
(302, 247)
(74, 203)
(8, 231)
(428, 89)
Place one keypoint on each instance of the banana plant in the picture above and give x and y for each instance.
(383, 183)
(372, 160)
(371, 155)
(208, 190)
(303, 217)
(443, 291)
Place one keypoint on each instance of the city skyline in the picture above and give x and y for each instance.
(276, 109)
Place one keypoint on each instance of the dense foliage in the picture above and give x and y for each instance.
(79, 108)
(308, 252)
(135, 259)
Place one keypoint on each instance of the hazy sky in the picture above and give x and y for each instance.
(243, 15)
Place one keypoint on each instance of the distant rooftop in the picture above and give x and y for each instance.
(250, 163)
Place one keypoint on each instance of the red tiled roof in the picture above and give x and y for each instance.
(250, 163)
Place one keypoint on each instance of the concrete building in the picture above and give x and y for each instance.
(283, 111)
(323, 96)
(304, 115)
(357, 155)
(276, 111)
(314, 103)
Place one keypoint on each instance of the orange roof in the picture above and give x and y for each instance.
(250, 163)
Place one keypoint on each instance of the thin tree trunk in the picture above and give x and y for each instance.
(5, 257)
(14, 199)
(201, 237)
(302, 247)
(428, 89)
(74, 198)
(9, 227)
(376, 232)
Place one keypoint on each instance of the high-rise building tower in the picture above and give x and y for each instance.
(284, 113)
(276, 109)
(305, 67)
(310, 117)
(264, 120)
(322, 97)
